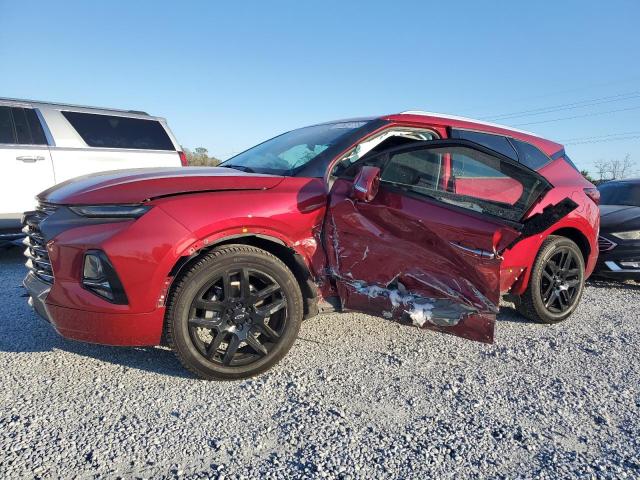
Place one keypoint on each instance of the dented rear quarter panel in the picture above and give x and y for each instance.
(585, 219)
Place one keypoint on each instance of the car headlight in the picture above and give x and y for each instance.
(111, 211)
(630, 235)
(99, 277)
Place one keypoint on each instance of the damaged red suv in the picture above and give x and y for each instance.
(421, 218)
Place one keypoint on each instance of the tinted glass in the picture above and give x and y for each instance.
(478, 182)
(119, 132)
(37, 134)
(292, 151)
(23, 131)
(6, 126)
(620, 194)
(497, 143)
(416, 168)
(530, 156)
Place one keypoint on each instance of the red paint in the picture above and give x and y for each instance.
(377, 241)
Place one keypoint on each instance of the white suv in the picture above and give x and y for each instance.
(42, 144)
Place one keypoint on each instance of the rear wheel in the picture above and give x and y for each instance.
(234, 314)
(556, 283)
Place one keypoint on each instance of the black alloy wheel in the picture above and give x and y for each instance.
(234, 313)
(556, 282)
(560, 280)
(243, 307)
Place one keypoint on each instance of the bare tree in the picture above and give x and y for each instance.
(615, 169)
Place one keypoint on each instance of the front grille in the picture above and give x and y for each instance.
(604, 244)
(36, 252)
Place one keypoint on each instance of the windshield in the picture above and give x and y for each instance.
(620, 194)
(291, 151)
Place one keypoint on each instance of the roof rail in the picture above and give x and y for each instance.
(59, 104)
(465, 119)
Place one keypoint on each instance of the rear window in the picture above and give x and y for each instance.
(110, 131)
(20, 126)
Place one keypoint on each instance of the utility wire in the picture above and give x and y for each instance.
(603, 140)
(567, 106)
(592, 114)
(633, 80)
(599, 136)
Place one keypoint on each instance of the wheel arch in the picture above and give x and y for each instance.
(579, 238)
(293, 260)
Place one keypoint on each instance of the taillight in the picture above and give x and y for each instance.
(183, 159)
(593, 194)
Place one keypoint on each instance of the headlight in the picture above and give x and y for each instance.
(631, 235)
(99, 277)
(111, 211)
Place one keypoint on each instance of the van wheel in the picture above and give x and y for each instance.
(234, 314)
(556, 283)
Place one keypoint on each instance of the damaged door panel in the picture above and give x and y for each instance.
(425, 250)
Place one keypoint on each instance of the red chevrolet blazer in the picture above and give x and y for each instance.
(416, 217)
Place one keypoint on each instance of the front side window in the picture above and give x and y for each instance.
(465, 178)
(110, 131)
(292, 151)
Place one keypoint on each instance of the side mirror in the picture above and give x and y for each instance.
(366, 183)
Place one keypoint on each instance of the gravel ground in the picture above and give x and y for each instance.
(357, 397)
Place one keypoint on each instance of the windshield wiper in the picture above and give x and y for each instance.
(242, 168)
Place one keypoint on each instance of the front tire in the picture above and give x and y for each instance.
(234, 314)
(556, 283)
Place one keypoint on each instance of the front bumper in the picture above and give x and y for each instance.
(122, 329)
(621, 262)
(38, 292)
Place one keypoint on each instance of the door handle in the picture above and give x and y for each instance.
(30, 158)
(475, 251)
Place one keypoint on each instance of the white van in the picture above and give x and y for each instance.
(42, 144)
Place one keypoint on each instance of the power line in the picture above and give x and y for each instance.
(635, 80)
(599, 136)
(592, 114)
(566, 106)
(603, 140)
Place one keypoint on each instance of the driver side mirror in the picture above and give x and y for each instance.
(366, 184)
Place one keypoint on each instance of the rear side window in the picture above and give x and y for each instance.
(497, 143)
(530, 156)
(20, 126)
(110, 131)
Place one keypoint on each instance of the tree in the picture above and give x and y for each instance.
(615, 169)
(587, 175)
(200, 157)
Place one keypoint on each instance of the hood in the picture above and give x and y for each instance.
(138, 185)
(616, 218)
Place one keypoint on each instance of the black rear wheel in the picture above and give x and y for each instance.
(556, 283)
(234, 314)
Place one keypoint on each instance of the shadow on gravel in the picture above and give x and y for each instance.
(605, 283)
(509, 314)
(21, 330)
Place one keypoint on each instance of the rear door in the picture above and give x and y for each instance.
(426, 250)
(25, 161)
(101, 142)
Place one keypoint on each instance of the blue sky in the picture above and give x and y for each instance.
(229, 74)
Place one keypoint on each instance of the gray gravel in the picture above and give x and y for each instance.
(357, 397)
